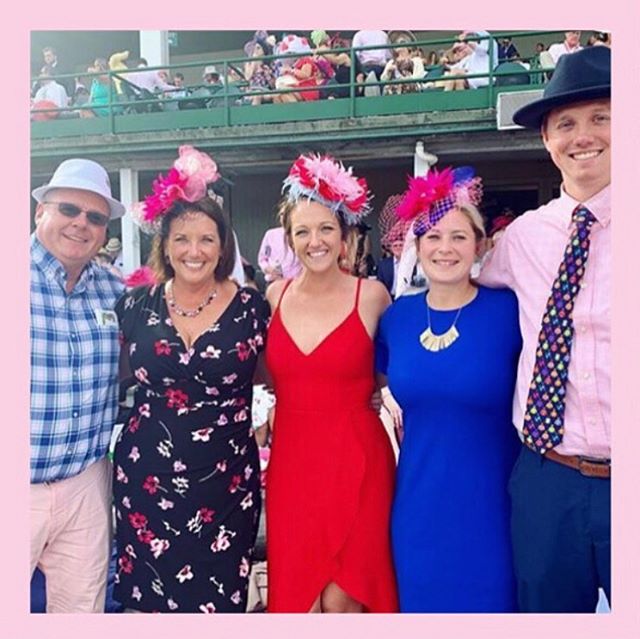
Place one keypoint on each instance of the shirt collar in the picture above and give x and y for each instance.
(52, 267)
(599, 204)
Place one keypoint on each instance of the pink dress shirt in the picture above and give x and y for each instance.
(526, 259)
(275, 250)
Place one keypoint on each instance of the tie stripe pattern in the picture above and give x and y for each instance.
(544, 415)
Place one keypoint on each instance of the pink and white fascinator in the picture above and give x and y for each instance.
(324, 180)
(186, 180)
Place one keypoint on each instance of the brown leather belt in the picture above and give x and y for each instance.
(588, 467)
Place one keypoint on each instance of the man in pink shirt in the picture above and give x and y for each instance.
(560, 485)
(571, 44)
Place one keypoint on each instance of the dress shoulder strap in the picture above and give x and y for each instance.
(284, 289)
(358, 293)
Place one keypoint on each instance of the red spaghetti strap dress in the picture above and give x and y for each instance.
(331, 472)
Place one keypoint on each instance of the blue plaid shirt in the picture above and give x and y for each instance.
(74, 366)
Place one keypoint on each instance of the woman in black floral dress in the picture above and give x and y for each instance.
(187, 474)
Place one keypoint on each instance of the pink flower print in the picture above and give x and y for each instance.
(211, 390)
(184, 574)
(132, 348)
(137, 520)
(259, 339)
(126, 502)
(134, 454)
(145, 536)
(125, 564)
(235, 483)
(222, 466)
(158, 546)
(162, 347)
(229, 379)
(241, 416)
(201, 435)
(222, 420)
(172, 604)
(133, 424)
(208, 607)
(179, 466)
(248, 471)
(211, 353)
(247, 502)
(165, 504)
(235, 597)
(144, 410)
(185, 358)
(176, 398)
(151, 484)
(243, 352)
(153, 319)
(130, 551)
(120, 476)
(244, 297)
(141, 375)
(136, 594)
(244, 567)
(221, 542)
(206, 514)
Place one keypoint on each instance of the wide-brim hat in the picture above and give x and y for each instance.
(578, 77)
(399, 34)
(210, 69)
(113, 244)
(85, 175)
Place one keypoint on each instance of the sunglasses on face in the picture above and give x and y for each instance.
(71, 210)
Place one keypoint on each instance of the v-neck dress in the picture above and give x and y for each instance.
(330, 475)
(186, 470)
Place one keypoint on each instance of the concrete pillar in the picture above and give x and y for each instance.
(154, 47)
(422, 160)
(130, 230)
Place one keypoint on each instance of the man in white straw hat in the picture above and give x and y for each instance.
(74, 383)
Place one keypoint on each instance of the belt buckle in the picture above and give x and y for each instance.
(600, 466)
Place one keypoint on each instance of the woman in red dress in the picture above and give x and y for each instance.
(330, 477)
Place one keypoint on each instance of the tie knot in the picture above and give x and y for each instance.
(582, 215)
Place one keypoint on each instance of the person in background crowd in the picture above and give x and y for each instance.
(327, 505)
(187, 473)
(50, 57)
(74, 385)
(475, 57)
(259, 72)
(276, 258)
(340, 63)
(507, 50)
(558, 261)
(371, 62)
(571, 44)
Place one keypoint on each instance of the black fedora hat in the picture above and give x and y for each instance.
(584, 75)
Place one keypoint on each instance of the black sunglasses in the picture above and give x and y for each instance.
(71, 210)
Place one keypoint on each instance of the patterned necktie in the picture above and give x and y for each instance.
(544, 416)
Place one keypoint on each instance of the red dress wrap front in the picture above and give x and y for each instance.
(331, 472)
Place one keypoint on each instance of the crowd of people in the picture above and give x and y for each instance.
(475, 516)
(317, 66)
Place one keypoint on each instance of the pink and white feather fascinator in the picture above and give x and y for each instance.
(186, 180)
(326, 181)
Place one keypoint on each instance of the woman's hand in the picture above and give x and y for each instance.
(393, 408)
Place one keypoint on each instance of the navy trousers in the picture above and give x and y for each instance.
(561, 532)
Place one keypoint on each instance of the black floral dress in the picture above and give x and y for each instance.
(186, 470)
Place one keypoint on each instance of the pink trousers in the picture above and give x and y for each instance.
(71, 538)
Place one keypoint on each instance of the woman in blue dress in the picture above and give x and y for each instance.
(450, 360)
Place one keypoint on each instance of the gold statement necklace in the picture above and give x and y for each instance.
(434, 343)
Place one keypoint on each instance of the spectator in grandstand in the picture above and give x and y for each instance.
(405, 63)
(276, 258)
(371, 62)
(340, 63)
(599, 39)
(49, 95)
(211, 76)
(259, 72)
(117, 62)
(476, 57)
(73, 393)
(558, 261)
(507, 50)
(570, 44)
(304, 75)
(50, 57)
(99, 94)
(147, 79)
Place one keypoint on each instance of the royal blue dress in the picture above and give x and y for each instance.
(450, 519)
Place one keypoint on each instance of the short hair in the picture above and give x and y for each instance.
(49, 50)
(178, 75)
(285, 208)
(157, 259)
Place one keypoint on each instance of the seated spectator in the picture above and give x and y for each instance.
(340, 63)
(475, 58)
(599, 39)
(99, 93)
(259, 72)
(304, 75)
(147, 79)
(571, 44)
(50, 95)
(371, 62)
(405, 63)
(507, 50)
